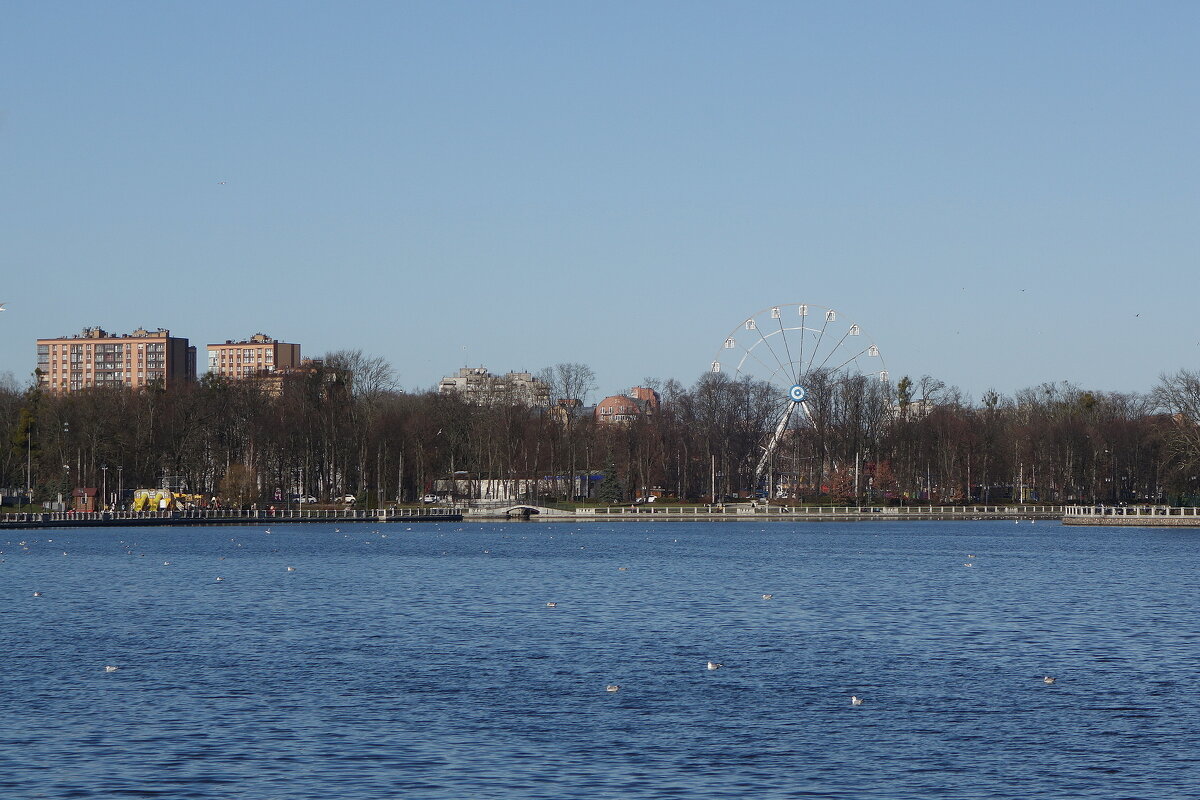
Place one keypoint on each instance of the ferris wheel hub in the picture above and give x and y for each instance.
(797, 393)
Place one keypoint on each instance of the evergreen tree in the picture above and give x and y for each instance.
(610, 490)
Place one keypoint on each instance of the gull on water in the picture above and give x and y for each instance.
(612, 687)
(111, 668)
(291, 569)
(220, 579)
(768, 597)
(551, 605)
(714, 665)
(855, 700)
(1048, 679)
(37, 594)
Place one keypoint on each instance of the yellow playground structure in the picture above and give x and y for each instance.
(164, 500)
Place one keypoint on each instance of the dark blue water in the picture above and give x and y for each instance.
(424, 663)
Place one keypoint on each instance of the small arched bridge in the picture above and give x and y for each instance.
(525, 511)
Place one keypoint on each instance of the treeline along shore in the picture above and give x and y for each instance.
(327, 434)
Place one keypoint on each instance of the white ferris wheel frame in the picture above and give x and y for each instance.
(791, 375)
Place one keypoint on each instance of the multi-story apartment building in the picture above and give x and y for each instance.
(254, 356)
(97, 358)
(477, 385)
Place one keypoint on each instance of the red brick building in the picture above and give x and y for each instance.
(621, 408)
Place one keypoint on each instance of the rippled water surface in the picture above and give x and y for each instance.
(425, 663)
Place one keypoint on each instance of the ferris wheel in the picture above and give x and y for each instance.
(805, 351)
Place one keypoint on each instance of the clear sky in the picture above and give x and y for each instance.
(1000, 194)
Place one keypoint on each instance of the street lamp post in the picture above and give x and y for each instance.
(29, 464)
(120, 469)
(104, 472)
(70, 490)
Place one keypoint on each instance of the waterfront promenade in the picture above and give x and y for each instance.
(1133, 516)
(762, 511)
(493, 511)
(223, 516)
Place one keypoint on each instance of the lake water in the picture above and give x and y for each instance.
(425, 663)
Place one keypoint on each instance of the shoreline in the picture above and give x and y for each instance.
(526, 512)
(1096, 516)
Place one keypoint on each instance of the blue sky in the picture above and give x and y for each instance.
(1000, 194)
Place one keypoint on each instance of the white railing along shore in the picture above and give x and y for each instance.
(965, 512)
(231, 515)
(1130, 511)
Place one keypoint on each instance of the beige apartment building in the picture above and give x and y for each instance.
(478, 386)
(96, 358)
(255, 356)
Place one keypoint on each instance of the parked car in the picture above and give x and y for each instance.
(430, 498)
(346, 498)
(307, 498)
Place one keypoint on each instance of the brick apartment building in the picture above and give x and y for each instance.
(252, 357)
(621, 408)
(96, 358)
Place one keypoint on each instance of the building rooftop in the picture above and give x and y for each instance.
(96, 332)
(258, 338)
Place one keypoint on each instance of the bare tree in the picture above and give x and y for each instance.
(569, 381)
(371, 375)
(1179, 396)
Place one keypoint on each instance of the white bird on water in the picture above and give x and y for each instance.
(1048, 679)
(111, 668)
(2, 306)
(714, 665)
(612, 687)
(768, 596)
(855, 700)
(552, 605)
(291, 569)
